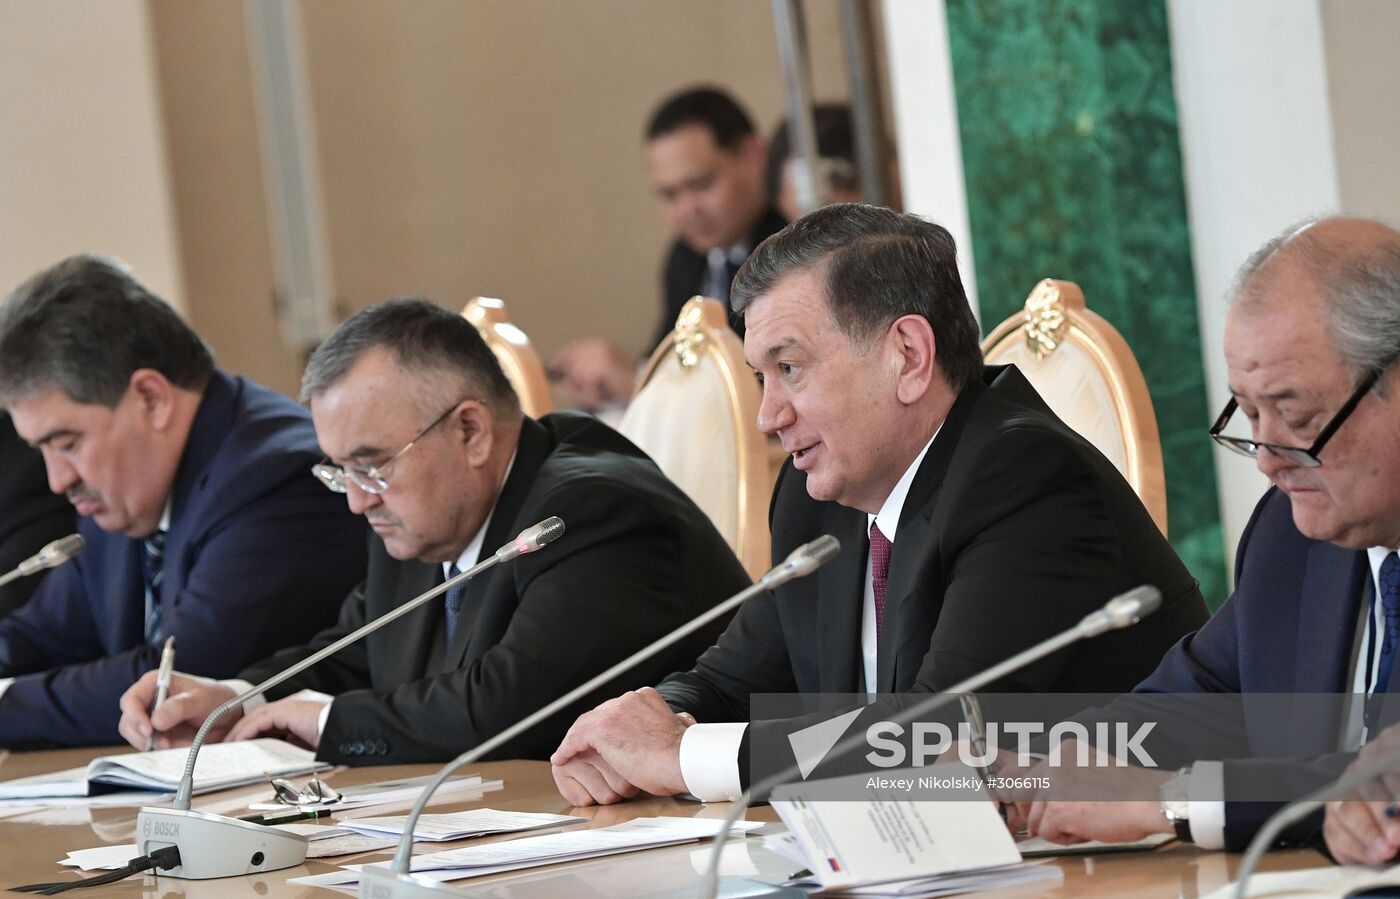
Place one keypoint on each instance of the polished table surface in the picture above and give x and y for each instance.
(32, 842)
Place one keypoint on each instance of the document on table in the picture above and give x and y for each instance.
(848, 843)
(325, 841)
(529, 852)
(1001, 878)
(220, 765)
(477, 822)
(1315, 883)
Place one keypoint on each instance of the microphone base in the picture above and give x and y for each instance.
(215, 845)
(381, 883)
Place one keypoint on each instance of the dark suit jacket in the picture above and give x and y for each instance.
(258, 555)
(1288, 628)
(1014, 528)
(637, 560)
(30, 515)
(685, 276)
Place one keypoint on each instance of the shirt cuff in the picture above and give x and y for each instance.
(710, 761)
(325, 711)
(1207, 815)
(240, 687)
(5, 684)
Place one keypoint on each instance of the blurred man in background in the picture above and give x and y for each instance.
(706, 164)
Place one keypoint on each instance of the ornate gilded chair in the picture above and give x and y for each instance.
(1088, 375)
(513, 350)
(695, 412)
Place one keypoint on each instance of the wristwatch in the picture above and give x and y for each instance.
(1176, 803)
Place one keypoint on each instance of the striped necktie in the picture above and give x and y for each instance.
(453, 604)
(153, 569)
(1389, 584)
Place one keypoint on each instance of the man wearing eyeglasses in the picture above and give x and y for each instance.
(190, 486)
(1311, 343)
(425, 438)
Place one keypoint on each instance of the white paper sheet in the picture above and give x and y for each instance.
(888, 837)
(1314, 883)
(102, 858)
(461, 825)
(529, 852)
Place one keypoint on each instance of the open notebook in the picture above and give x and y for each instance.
(220, 765)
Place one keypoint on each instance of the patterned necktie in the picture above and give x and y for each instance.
(453, 605)
(1390, 606)
(880, 548)
(153, 567)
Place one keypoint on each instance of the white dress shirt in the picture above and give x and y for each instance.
(710, 752)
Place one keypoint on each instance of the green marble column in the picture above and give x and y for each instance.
(1073, 170)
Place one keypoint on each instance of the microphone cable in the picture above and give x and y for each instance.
(163, 859)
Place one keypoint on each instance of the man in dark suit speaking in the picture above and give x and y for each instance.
(973, 522)
(199, 518)
(426, 439)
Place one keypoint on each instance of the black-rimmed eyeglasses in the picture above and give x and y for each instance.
(374, 479)
(1295, 454)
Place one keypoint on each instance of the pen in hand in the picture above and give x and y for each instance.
(167, 668)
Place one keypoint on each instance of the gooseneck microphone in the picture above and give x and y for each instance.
(218, 846)
(51, 556)
(1296, 811)
(395, 882)
(1123, 610)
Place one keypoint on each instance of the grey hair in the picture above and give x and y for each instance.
(84, 325)
(1362, 288)
(425, 339)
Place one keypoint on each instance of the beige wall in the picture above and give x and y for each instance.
(485, 147)
(1363, 81)
(465, 148)
(82, 163)
(495, 147)
(216, 169)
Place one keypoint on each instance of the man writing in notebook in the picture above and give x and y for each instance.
(194, 502)
(973, 522)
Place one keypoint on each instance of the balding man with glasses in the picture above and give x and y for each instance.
(1311, 343)
(425, 438)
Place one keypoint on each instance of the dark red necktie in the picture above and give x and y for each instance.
(879, 574)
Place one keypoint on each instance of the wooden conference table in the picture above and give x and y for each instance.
(32, 843)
